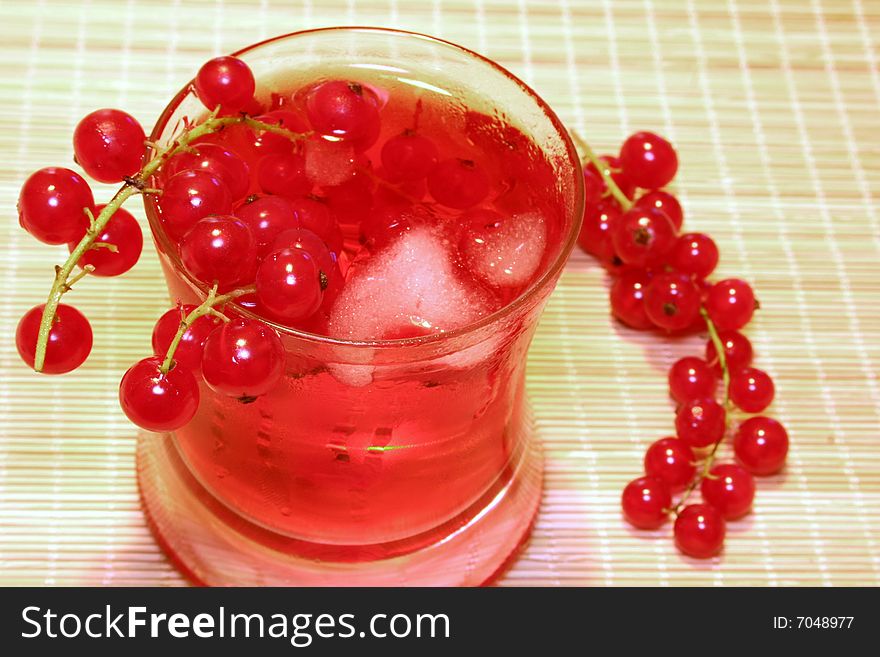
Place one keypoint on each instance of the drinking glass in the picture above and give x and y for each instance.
(398, 462)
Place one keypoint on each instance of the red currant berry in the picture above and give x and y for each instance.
(190, 196)
(700, 422)
(646, 502)
(666, 203)
(388, 222)
(694, 254)
(595, 235)
(672, 461)
(344, 109)
(751, 389)
(268, 142)
(699, 531)
(315, 216)
(69, 344)
(691, 378)
(737, 351)
(672, 302)
(628, 299)
(219, 249)
(458, 183)
(155, 401)
(52, 205)
(408, 156)
(643, 237)
(730, 489)
(289, 286)
(124, 233)
(225, 81)
(612, 168)
(267, 217)
(243, 358)
(730, 304)
(216, 160)
(761, 445)
(109, 144)
(189, 350)
(283, 174)
(648, 160)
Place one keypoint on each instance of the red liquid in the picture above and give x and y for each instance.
(377, 448)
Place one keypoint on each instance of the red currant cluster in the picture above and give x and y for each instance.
(200, 181)
(660, 283)
(234, 192)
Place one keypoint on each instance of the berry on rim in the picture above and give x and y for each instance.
(289, 285)
(226, 81)
(216, 160)
(189, 196)
(243, 358)
(219, 249)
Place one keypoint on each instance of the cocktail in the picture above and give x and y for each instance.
(360, 244)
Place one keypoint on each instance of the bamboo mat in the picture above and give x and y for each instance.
(774, 106)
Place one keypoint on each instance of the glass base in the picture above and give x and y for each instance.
(212, 545)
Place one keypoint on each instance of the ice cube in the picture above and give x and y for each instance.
(329, 162)
(411, 286)
(503, 251)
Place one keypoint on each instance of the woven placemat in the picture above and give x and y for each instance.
(774, 108)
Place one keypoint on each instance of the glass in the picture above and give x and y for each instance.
(375, 462)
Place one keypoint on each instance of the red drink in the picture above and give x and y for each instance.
(396, 448)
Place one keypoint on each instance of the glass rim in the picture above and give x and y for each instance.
(508, 309)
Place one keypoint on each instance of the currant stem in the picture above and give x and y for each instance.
(137, 184)
(602, 168)
(207, 307)
(725, 375)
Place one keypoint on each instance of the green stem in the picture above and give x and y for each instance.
(62, 274)
(134, 185)
(725, 375)
(207, 307)
(722, 355)
(604, 171)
